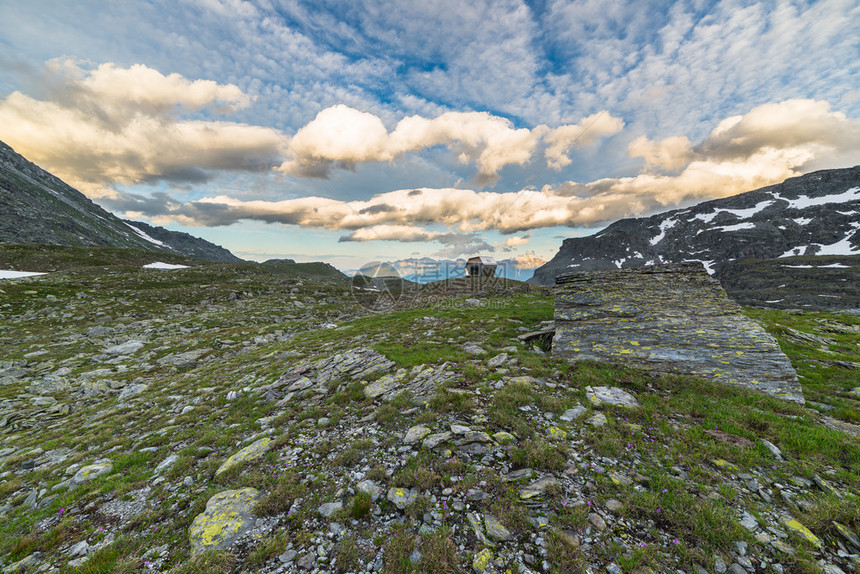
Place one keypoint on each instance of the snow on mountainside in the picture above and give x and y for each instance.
(37, 207)
(815, 214)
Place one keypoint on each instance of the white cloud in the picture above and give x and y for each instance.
(122, 125)
(342, 136)
(670, 153)
(674, 68)
(529, 261)
(791, 134)
(561, 140)
(738, 156)
(515, 241)
(405, 233)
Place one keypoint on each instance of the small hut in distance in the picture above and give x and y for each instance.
(481, 266)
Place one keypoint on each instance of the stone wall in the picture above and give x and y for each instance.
(668, 318)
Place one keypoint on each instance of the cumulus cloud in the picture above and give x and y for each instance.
(123, 125)
(561, 140)
(714, 168)
(341, 136)
(515, 241)
(528, 261)
(114, 125)
(405, 233)
(795, 131)
(670, 153)
(456, 243)
(792, 124)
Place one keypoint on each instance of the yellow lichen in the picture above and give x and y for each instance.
(799, 529)
(482, 560)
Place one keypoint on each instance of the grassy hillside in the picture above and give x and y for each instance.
(160, 377)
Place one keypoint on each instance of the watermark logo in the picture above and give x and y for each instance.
(383, 286)
(378, 286)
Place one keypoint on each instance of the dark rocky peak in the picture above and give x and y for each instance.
(815, 214)
(38, 207)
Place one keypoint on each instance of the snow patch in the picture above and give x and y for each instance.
(842, 247)
(735, 227)
(774, 301)
(144, 235)
(739, 213)
(9, 274)
(803, 201)
(802, 220)
(794, 251)
(160, 265)
(664, 225)
(831, 266)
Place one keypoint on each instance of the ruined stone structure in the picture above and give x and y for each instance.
(668, 318)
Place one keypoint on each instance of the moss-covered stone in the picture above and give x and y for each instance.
(227, 517)
(503, 437)
(250, 452)
(801, 531)
(482, 560)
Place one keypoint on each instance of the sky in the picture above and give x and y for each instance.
(375, 130)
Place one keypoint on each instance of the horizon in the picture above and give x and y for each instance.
(369, 132)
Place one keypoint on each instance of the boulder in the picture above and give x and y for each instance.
(228, 517)
(671, 319)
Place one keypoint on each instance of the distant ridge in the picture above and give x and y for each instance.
(38, 207)
(816, 214)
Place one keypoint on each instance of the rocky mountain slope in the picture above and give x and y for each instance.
(37, 207)
(233, 418)
(824, 282)
(815, 214)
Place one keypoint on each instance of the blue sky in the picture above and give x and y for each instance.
(360, 131)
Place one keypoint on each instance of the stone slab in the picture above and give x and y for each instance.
(668, 318)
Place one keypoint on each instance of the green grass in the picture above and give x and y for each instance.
(194, 309)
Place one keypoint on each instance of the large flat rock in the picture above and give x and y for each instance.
(668, 318)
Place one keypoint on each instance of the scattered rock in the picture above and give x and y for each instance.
(250, 452)
(227, 518)
(774, 450)
(596, 420)
(571, 415)
(416, 433)
(369, 487)
(127, 348)
(401, 497)
(91, 471)
(537, 487)
(329, 508)
(599, 396)
(793, 525)
(496, 530)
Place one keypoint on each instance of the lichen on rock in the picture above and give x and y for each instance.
(250, 452)
(668, 318)
(227, 518)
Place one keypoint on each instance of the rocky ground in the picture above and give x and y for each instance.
(245, 418)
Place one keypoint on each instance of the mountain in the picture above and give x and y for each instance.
(37, 207)
(815, 214)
